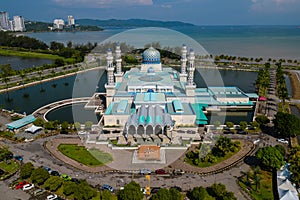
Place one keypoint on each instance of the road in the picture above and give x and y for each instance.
(35, 153)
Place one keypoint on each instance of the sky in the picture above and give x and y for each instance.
(199, 12)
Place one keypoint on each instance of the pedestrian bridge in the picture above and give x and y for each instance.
(43, 111)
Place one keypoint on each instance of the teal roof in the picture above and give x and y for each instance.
(21, 122)
(252, 95)
(177, 105)
(122, 106)
(141, 119)
(150, 97)
(200, 116)
(109, 109)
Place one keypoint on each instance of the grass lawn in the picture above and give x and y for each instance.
(11, 52)
(12, 167)
(92, 157)
(265, 190)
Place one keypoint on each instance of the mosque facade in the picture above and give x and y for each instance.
(153, 99)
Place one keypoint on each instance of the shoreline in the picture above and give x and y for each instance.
(47, 80)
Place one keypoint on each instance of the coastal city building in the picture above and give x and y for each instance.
(153, 100)
(58, 24)
(19, 23)
(4, 21)
(71, 20)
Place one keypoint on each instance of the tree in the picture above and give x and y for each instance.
(84, 191)
(175, 194)
(7, 71)
(39, 175)
(229, 124)
(106, 195)
(262, 120)
(243, 125)
(26, 170)
(219, 191)
(5, 153)
(217, 123)
(39, 122)
(77, 126)
(69, 187)
(294, 160)
(59, 62)
(199, 193)
(64, 127)
(53, 183)
(162, 194)
(287, 125)
(132, 191)
(88, 125)
(270, 157)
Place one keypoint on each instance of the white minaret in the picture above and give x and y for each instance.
(183, 61)
(191, 67)
(191, 86)
(110, 68)
(119, 74)
(110, 86)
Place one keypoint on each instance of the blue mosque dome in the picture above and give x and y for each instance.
(151, 56)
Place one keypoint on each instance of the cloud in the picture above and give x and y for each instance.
(102, 3)
(272, 5)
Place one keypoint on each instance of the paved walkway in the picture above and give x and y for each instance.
(42, 111)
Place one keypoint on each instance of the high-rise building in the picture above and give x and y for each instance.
(71, 20)
(58, 24)
(4, 21)
(19, 23)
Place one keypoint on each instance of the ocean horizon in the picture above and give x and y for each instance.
(266, 41)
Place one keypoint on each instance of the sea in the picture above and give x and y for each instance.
(244, 41)
(249, 41)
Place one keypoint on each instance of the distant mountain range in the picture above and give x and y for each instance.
(130, 23)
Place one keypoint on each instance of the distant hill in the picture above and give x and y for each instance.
(130, 23)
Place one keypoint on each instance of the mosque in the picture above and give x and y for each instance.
(154, 100)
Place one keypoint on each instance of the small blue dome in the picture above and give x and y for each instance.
(151, 56)
(150, 70)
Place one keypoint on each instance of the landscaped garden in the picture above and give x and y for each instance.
(205, 156)
(89, 157)
(258, 183)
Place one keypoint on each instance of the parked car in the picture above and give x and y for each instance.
(48, 169)
(75, 180)
(65, 177)
(21, 184)
(55, 173)
(39, 192)
(19, 158)
(28, 186)
(144, 191)
(161, 171)
(282, 141)
(145, 171)
(51, 197)
(178, 172)
(155, 190)
(107, 187)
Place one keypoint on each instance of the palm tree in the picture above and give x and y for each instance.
(22, 76)
(40, 72)
(6, 79)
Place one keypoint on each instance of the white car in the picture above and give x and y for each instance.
(283, 141)
(28, 186)
(52, 197)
